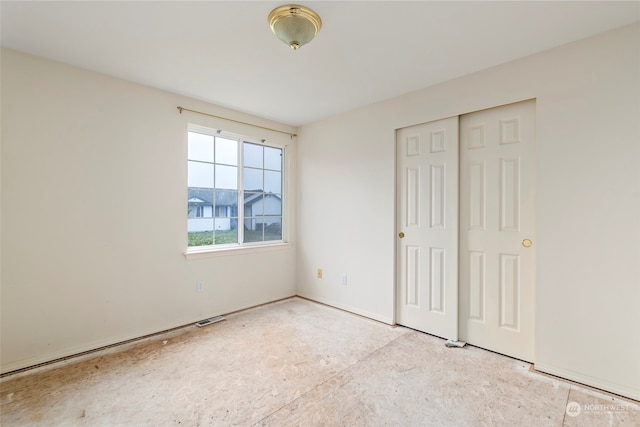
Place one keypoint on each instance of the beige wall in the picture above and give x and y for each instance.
(588, 201)
(94, 215)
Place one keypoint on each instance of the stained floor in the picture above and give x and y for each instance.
(298, 363)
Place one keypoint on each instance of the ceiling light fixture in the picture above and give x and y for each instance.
(294, 24)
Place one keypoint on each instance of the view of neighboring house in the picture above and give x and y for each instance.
(262, 210)
(210, 210)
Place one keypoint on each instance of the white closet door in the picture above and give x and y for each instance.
(427, 227)
(497, 245)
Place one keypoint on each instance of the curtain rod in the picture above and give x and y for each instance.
(181, 109)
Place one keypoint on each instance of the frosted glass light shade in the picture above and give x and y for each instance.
(295, 25)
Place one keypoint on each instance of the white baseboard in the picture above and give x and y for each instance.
(632, 393)
(90, 348)
(345, 307)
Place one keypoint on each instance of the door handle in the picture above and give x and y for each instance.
(527, 243)
(401, 235)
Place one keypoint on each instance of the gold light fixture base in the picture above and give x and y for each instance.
(295, 25)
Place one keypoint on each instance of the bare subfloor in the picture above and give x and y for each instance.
(299, 363)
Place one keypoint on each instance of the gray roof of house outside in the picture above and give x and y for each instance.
(224, 198)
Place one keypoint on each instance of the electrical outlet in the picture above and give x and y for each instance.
(319, 273)
(199, 286)
(343, 280)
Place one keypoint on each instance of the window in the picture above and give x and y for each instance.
(235, 192)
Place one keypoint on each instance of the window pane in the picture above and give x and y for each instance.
(226, 177)
(227, 151)
(226, 221)
(262, 228)
(272, 205)
(272, 182)
(253, 155)
(200, 224)
(200, 203)
(200, 175)
(200, 231)
(253, 179)
(253, 229)
(253, 205)
(226, 203)
(272, 228)
(200, 147)
(273, 158)
(226, 231)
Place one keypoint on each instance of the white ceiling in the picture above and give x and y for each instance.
(224, 52)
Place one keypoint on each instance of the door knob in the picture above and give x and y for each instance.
(401, 235)
(527, 243)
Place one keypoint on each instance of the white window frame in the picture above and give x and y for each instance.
(195, 252)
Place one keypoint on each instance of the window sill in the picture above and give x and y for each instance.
(210, 252)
